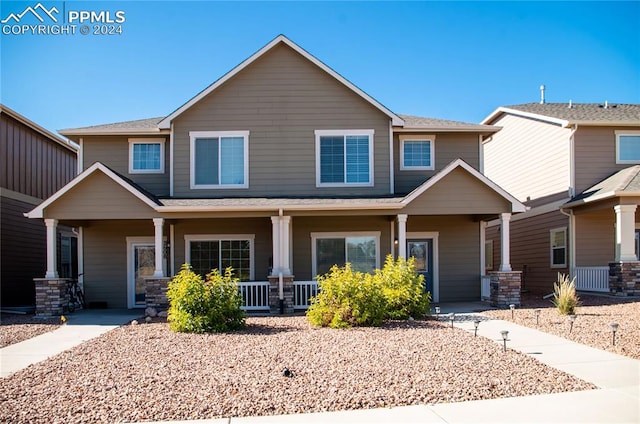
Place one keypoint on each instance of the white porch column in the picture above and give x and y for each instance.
(285, 225)
(52, 251)
(158, 223)
(625, 232)
(402, 236)
(505, 243)
(277, 266)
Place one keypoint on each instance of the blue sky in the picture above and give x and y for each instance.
(450, 60)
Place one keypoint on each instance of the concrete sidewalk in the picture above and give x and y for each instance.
(80, 327)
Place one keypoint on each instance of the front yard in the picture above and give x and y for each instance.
(146, 372)
(15, 328)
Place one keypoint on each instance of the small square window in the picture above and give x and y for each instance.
(628, 147)
(146, 156)
(417, 152)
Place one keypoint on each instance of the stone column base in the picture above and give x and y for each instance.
(156, 293)
(624, 278)
(52, 296)
(505, 288)
(274, 294)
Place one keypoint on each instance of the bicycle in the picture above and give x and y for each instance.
(76, 297)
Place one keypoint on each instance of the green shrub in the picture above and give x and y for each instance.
(403, 289)
(565, 298)
(348, 298)
(204, 306)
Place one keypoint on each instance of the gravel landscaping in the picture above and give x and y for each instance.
(15, 328)
(146, 372)
(591, 326)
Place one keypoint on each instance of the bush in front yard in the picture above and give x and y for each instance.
(208, 305)
(403, 289)
(347, 298)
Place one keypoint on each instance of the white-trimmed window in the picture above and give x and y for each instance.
(627, 147)
(146, 155)
(416, 154)
(559, 247)
(360, 249)
(219, 159)
(205, 252)
(344, 158)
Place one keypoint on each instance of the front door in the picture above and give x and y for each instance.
(422, 250)
(142, 264)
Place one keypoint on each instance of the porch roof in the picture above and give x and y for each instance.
(624, 183)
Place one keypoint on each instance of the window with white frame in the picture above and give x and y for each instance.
(559, 248)
(207, 252)
(416, 154)
(344, 158)
(146, 155)
(627, 146)
(360, 249)
(219, 159)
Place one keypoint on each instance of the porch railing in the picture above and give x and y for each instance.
(255, 295)
(485, 287)
(592, 278)
(302, 292)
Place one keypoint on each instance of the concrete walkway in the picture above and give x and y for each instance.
(80, 327)
(616, 401)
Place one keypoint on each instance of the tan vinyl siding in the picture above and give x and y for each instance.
(105, 259)
(30, 163)
(304, 226)
(458, 193)
(595, 238)
(531, 249)
(595, 154)
(98, 197)
(260, 227)
(113, 151)
(528, 158)
(281, 99)
(448, 147)
(459, 254)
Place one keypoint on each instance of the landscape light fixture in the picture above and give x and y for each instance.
(572, 319)
(537, 312)
(476, 323)
(512, 307)
(505, 334)
(614, 328)
(452, 316)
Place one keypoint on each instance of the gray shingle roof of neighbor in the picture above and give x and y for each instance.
(584, 112)
(411, 121)
(150, 124)
(623, 182)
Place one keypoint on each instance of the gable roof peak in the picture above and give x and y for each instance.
(166, 122)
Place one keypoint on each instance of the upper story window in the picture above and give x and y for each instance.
(627, 146)
(416, 152)
(146, 155)
(344, 158)
(559, 248)
(219, 159)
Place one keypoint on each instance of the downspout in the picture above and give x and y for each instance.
(280, 276)
(392, 182)
(572, 162)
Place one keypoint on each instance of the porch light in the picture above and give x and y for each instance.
(572, 319)
(537, 312)
(614, 328)
(452, 316)
(476, 323)
(505, 335)
(512, 307)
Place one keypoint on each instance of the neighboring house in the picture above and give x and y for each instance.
(280, 169)
(34, 164)
(575, 166)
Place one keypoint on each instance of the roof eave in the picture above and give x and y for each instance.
(26, 121)
(490, 129)
(119, 131)
(505, 110)
(276, 208)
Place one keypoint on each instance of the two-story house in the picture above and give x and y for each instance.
(34, 164)
(280, 169)
(576, 167)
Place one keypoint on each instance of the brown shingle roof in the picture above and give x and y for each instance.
(150, 124)
(421, 122)
(585, 113)
(623, 183)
